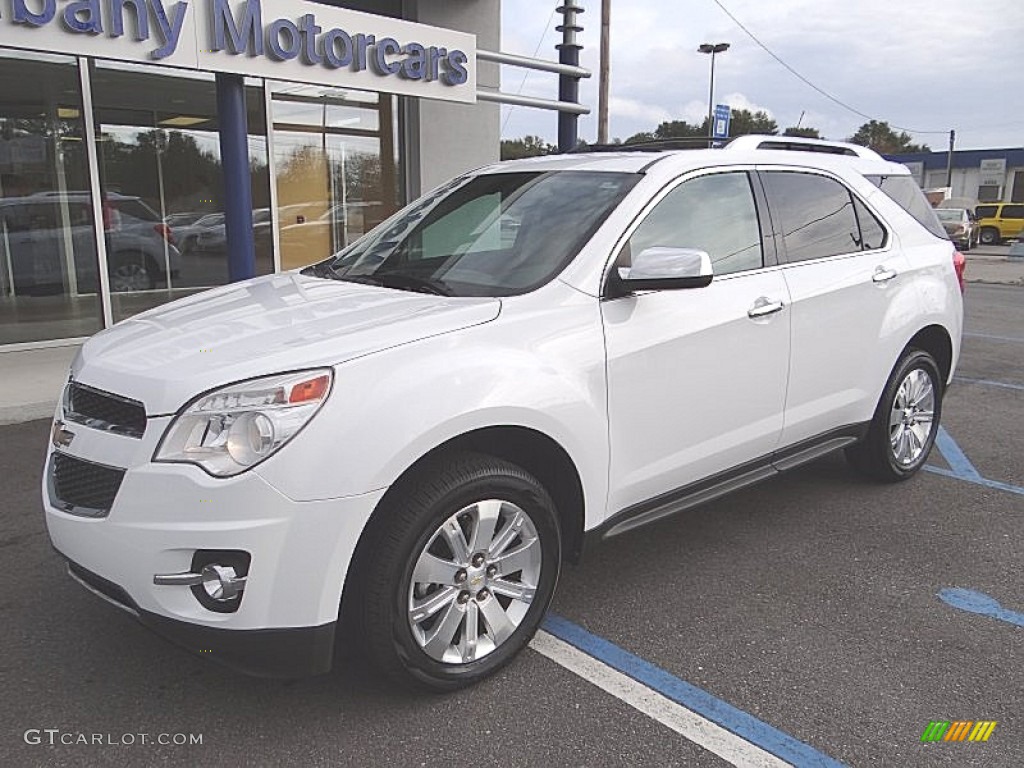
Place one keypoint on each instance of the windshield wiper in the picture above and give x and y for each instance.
(322, 270)
(406, 282)
(399, 281)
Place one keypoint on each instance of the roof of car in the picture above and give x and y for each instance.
(745, 150)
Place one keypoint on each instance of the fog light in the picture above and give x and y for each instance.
(221, 583)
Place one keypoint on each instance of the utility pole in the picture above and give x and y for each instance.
(603, 85)
(568, 85)
(949, 162)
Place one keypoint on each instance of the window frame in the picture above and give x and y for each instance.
(768, 247)
(783, 254)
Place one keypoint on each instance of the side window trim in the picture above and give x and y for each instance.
(780, 241)
(771, 240)
(665, 191)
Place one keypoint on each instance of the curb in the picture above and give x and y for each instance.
(18, 414)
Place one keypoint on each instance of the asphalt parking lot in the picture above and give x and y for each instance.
(810, 604)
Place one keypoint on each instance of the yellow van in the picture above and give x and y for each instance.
(999, 221)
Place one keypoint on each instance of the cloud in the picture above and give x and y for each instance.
(630, 108)
(914, 63)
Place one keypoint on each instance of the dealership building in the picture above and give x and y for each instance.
(985, 175)
(150, 149)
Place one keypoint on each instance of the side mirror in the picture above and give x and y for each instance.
(662, 268)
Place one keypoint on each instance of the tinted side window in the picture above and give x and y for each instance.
(905, 192)
(815, 215)
(871, 231)
(714, 213)
(1013, 211)
(985, 211)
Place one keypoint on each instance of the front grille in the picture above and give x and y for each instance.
(103, 410)
(81, 487)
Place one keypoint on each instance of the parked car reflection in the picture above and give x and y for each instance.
(40, 232)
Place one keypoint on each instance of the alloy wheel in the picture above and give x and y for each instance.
(129, 277)
(473, 582)
(912, 417)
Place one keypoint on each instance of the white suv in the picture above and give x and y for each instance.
(409, 438)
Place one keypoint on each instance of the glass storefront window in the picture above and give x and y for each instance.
(162, 186)
(48, 266)
(335, 168)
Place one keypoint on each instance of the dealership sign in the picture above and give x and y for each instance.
(992, 173)
(281, 39)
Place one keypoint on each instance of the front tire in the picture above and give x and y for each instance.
(905, 423)
(457, 572)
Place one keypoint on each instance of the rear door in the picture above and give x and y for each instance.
(848, 281)
(1011, 220)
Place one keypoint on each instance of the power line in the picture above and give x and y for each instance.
(804, 80)
(522, 85)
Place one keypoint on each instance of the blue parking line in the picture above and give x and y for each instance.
(992, 337)
(983, 481)
(955, 457)
(744, 725)
(980, 603)
(990, 383)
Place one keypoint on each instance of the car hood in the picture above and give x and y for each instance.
(168, 355)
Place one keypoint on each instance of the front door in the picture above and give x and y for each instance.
(696, 377)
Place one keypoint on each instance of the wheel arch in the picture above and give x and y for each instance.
(936, 341)
(537, 453)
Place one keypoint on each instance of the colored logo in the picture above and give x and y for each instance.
(958, 730)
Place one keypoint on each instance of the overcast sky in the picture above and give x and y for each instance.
(929, 65)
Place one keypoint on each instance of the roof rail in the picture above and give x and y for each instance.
(801, 144)
(652, 145)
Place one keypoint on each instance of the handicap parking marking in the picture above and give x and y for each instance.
(990, 383)
(961, 468)
(734, 735)
(980, 603)
(954, 456)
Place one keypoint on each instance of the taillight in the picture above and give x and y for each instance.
(959, 265)
(165, 232)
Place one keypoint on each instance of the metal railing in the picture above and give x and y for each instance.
(540, 65)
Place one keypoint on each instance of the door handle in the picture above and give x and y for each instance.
(764, 307)
(883, 274)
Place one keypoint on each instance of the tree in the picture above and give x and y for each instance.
(745, 122)
(640, 138)
(877, 135)
(806, 133)
(528, 146)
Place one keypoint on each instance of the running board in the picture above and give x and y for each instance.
(725, 483)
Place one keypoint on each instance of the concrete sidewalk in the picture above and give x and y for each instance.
(31, 381)
(994, 265)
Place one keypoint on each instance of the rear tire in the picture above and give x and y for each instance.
(456, 571)
(989, 236)
(905, 423)
(130, 271)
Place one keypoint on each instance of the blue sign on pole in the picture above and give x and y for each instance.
(720, 128)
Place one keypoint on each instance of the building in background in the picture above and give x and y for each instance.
(111, 185)
(985, 175)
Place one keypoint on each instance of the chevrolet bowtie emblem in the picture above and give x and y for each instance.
(60, 437)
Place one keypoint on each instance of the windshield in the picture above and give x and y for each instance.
(950, 214)
(498, 234)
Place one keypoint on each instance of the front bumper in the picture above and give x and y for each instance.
(163, 514)
(281, 653)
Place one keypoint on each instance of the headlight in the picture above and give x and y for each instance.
(231, 429)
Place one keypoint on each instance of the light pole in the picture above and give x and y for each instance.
(712, 48)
